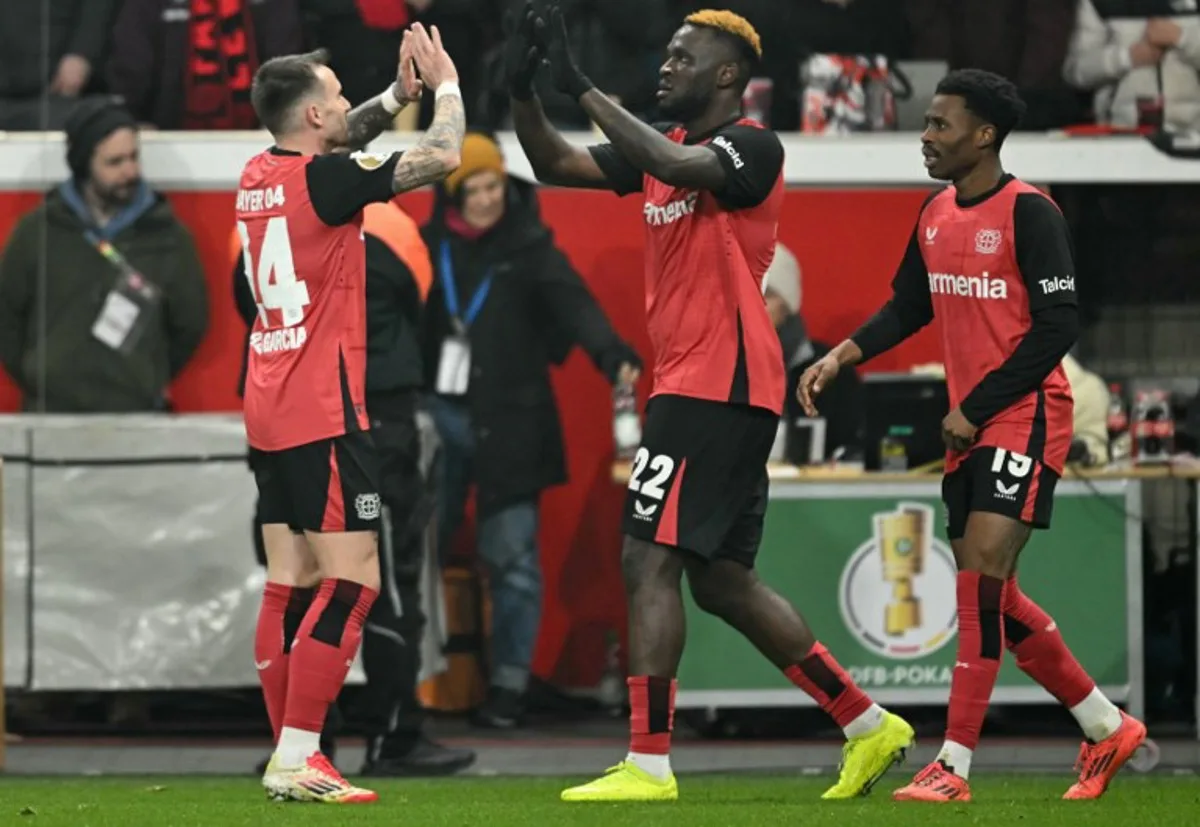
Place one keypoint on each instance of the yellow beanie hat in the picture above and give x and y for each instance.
(479, 154)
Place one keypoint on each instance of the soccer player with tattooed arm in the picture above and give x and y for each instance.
(990, 258)
(712, 184)
(299, 214)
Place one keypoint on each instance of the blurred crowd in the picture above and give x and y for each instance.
(187, 64)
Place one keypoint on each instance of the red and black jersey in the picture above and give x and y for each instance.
(998, 274)
(706, 255)
(300, 221)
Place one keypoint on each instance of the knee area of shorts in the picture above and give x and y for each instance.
(644, 563)
(292, 565)
(991, 559)
(361, 567)
(370, 579)
(987, 561)
(717, 595)
(308, 578)
(363, 575)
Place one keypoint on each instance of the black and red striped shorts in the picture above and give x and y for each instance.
(998, 481)
(699, 480)
(327, 486)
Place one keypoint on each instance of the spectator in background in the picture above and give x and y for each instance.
(1144, 70)
(189, 65)
(124, 303)
(504, 305)
(50, 55)
(842, 408)
(1023, 40)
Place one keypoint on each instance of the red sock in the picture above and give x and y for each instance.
(324, 648)
(980, 647)
(279, 618)
(651, 714)
(828, 684)
(1034, 638)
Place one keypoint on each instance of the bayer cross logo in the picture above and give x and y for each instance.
(987, 242)
(366, 506)
(897, 592)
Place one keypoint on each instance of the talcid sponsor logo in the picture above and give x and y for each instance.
(976, 287)
(1055, 285)
(732, 152)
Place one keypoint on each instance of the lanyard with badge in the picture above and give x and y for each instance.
(124, 317)
(454, 368)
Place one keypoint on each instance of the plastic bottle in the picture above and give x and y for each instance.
(627, 428)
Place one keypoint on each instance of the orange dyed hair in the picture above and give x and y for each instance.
(730, 23)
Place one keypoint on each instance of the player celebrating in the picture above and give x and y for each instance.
(713, 185)
(299, 214)
(990, 257)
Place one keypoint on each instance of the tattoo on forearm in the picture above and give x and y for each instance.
(367, 121)
(426, 162)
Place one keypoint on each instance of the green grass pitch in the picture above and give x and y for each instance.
(725, 800)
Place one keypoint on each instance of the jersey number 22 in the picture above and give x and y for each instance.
(273, 282)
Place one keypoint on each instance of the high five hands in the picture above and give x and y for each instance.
(537, 39)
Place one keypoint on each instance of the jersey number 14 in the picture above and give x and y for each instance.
(273, 282)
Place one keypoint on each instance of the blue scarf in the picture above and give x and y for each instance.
(142, 201)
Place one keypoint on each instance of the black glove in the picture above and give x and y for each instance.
(616, 357)
(558, 60)
(521, 55)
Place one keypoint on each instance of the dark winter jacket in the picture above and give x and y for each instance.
(82, 374)
(537, 310)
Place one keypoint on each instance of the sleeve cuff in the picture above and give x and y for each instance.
(973, 412)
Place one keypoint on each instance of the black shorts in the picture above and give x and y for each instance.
(699, 480)
(1000, 482)
(331, 485)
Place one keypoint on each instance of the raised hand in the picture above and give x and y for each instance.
(522, 56)
(558, 60)
(431, 58)
(408, 86)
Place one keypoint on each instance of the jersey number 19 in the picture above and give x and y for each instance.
(273, 282)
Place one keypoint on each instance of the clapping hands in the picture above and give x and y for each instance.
(538, 39)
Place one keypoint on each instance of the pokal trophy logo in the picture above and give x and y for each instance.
(897, 591)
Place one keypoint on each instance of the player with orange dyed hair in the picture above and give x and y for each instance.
(711, 181)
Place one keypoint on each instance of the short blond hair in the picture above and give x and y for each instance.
(730, 23)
